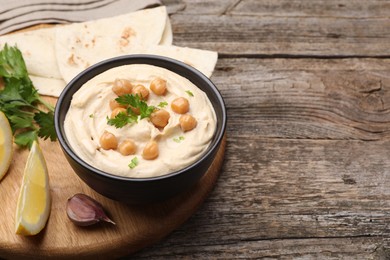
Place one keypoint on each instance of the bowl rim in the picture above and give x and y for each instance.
(120, 59)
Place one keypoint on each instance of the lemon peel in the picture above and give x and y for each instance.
(6, 147)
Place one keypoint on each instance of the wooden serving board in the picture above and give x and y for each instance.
(136, 226)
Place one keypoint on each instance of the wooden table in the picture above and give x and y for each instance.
(307, 166)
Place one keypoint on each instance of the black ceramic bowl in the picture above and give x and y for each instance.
(141, 190)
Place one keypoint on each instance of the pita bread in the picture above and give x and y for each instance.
(48, 86)
(167, 37)
(202, 60)
(82, 44)
(37, 47)
(56, 55)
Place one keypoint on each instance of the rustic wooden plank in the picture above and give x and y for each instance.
(313, 8)
(323, 248)
(296, 190)
(307, 98)
(283, 27)
(257, 35)
(199, 6)
(283, 8)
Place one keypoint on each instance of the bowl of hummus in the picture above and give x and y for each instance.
(140, 128)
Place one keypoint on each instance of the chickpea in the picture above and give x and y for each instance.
(187, 122)
(160, 118)
(127, 147)
(108, 141)
(118, 110)
(136, 110)
(141, 91)
(158, 86)
(180, 105)
(122, 86)
(114, 104)
(150, 151)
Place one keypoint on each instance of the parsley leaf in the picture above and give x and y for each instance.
(131, 101)
(19, 121)
(178, 139)
(190, 93)
(26, 138)
(11, 63)
(46, 126)
(133, 163)
(20, 101)
(145, 110)
(122, 119)
(163, 104)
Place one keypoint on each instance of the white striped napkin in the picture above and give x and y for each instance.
(15, 15)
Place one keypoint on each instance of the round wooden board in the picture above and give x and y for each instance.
(136, 226)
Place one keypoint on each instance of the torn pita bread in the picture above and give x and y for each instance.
(56, 55)
(167, 37)
(37, 47)
(48, 86)
(202, 60)
(81, 45)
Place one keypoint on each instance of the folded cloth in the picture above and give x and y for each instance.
(15, 15)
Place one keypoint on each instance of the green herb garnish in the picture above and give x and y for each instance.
(178, 139)
(122, 119)
(133, 163)
(91, 116)
(189, 93)
(131, 101)
(21, 103)
(163, 104)
(135, 101)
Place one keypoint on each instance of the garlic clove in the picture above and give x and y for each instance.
(85, 211)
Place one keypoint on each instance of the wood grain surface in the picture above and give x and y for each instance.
(136, 226)
(307, 166)
(306, 173)
(284, 27)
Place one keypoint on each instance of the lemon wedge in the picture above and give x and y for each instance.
(34, 202)
(6, 147)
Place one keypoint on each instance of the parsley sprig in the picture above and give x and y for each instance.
(29, 115)
(131, 101)
(122, 119)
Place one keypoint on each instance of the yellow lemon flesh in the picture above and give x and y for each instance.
(34, 201)
(6, 148)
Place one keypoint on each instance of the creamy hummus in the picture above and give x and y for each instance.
(86, 121)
